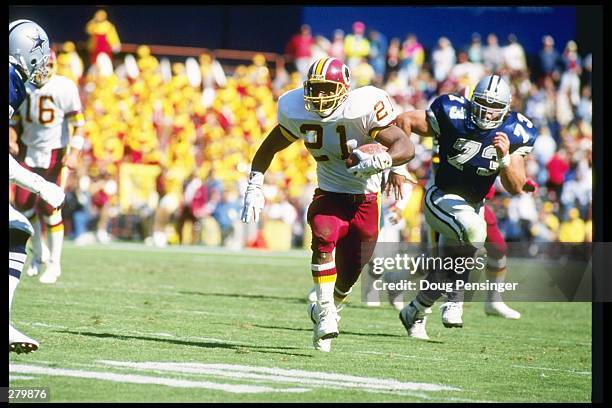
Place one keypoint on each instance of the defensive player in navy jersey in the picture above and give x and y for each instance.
(28, 55)
(478, 140)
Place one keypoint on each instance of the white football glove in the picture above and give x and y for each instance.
(52, 194)
(370, 164)
(253, 198)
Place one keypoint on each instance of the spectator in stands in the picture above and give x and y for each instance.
(514, 56)
(550, 59)
(378, 54)
(299, 50)
(573, 229)
(465, 72)
(320, 48)
(356, 46)
(77, 208)
(577, 192)
(103, 37)
(557, 167)
(584, 110)
(226, 213)
(169, 203)
(394, 55)
(443, 59)
(69, 63)
(547, 226)
(492, 53)
(363, 74)
(544, 147)
(412, 58)
(336, 49)
(522, 211)
(195, 197)
(569, 86)
(103, 193)
(475, 50)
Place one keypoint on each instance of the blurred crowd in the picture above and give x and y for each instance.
(196, 125)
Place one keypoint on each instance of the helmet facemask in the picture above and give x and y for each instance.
(43, 72)
(323, 96)
(487, 111)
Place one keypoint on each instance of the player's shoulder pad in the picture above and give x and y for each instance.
(521, 132)
(445, 108)
(449, 102)
(291, 103)
(63, 81)
(361, 101)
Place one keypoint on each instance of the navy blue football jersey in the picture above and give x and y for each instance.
(17, 91)
(467, 158)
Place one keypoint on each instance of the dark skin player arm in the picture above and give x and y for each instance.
(399, 145)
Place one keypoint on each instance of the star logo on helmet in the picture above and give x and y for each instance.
(38, 42)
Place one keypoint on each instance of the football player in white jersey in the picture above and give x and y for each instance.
(28, 55)
(345, 210)
(51, 138)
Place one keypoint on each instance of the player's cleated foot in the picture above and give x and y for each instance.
(35, 267)
(325, 320)
(20, 343)
(452, 313)
(323, 345)
(501, 309)
(414, 321)
(103, 236)
(51, 274)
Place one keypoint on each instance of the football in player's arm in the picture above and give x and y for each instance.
(344, 212)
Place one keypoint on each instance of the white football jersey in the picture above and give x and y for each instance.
(43, 112)
(364, 113)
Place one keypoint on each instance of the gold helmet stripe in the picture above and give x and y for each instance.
(326, 65)
(320, 65)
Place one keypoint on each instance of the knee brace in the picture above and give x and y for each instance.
(475, 229)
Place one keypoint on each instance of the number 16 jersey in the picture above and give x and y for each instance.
(357, 121)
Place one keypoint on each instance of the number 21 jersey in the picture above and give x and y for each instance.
(364, 113)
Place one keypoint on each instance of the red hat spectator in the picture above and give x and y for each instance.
(358, 27)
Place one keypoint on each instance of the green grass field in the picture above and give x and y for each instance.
(126, 322)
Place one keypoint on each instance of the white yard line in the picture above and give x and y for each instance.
(553, 369)
(271, 374)
(142, 379)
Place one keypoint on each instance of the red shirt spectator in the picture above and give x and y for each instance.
(557, 167)
(300, 44)
(300, 49)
